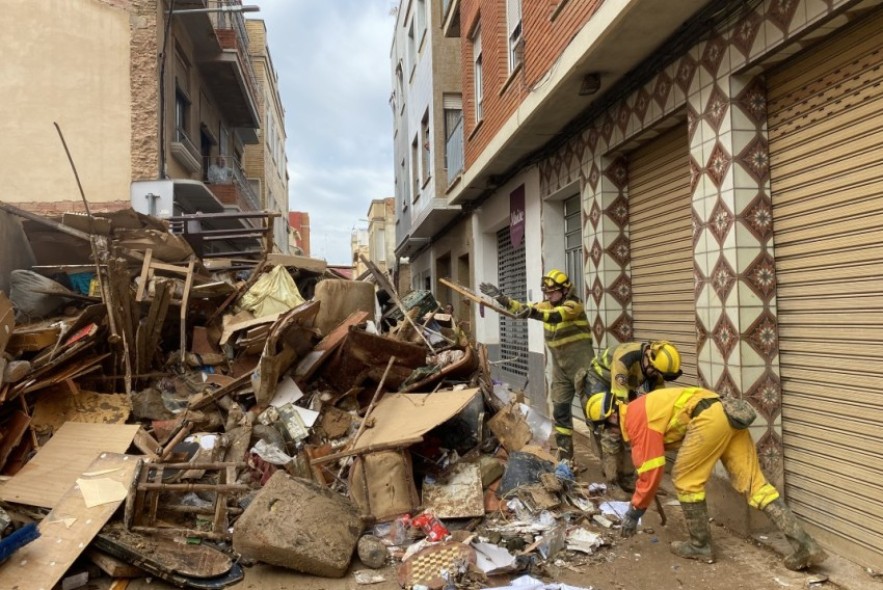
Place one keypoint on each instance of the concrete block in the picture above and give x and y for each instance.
(298, 524)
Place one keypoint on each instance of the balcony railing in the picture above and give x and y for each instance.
(235, 22)
(226, 179)
(454, 151)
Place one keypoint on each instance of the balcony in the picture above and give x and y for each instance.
(185, 152)
(220, 43)
(226, 179)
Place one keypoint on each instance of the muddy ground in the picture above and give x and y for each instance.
(642, 562)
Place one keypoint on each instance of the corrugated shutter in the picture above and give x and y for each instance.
(826, 155)
(513, 282)
(662, 246)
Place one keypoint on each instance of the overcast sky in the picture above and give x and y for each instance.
(332, 57)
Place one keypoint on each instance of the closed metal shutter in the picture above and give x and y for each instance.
(660, 219)
(513, 282)
(825, 113)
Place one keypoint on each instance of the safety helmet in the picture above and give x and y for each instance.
(666, 359)
(595, 408)
(555, 280)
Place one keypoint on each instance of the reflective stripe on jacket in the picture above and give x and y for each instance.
(620, 366)
(653, 423)
(562, 324)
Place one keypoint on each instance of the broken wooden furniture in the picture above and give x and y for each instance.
(149, 491)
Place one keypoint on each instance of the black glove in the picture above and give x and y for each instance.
(630, 522)
(493, 291)
(490, 290)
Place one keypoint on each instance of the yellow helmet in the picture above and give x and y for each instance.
(595, 408)
(556, 280)
(666, 359)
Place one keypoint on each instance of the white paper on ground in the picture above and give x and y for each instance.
(530, 583)
(492, 558)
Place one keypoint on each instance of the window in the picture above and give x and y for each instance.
(415, 169)
(516, 41)
(400, 92)
(453, 109)
(182, 115)
(573, 245)
(182, 96)
(412, 48)
(421, 19)
(403, 175)
(477, 74)
(427, 147)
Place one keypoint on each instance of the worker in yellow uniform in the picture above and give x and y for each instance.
(694, 420)
(624, 372)
(568, 342)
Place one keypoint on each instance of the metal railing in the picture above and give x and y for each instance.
(228, 170)
(235, 21)
(454, 157)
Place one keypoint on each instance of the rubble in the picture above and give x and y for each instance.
(257, 409)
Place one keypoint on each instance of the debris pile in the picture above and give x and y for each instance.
(184, 417)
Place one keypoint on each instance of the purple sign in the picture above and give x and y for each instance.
(516, 216)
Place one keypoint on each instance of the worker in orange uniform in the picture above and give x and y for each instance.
(622, 373)
(694, 419)
(568, 342)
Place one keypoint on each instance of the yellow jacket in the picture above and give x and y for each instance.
(653, 423)
(562, 324)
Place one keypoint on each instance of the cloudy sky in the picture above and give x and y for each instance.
(332, 57)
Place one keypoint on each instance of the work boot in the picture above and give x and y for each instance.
(699, 545)
(565, 446)
(610, 468)
(806, 551)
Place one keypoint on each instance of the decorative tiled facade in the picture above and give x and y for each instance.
(717, 89)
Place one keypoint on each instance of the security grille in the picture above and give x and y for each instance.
(513, 282)
(573, 245)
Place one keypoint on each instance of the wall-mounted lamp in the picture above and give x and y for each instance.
(590, 85)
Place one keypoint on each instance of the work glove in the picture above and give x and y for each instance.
(494, 292)
(630, 522)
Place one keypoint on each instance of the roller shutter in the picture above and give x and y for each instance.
(661, 228)
(825, 113)
(512, 271)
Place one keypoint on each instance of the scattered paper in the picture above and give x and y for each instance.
(615, 508)
(366, 577)
(492, 558)
(531, 583)
(583, 541)
(287, 392)
(101, 491)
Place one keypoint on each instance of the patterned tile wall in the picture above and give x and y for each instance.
(717, 83)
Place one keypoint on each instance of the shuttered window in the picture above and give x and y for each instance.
(513, 282)
(661, 231)
(825, 112)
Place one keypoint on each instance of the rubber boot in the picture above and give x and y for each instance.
(565, 446)
(699, 545)
(806, 551)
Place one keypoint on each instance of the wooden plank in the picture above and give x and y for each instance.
(68, 529)
(188, 282)
(7, 321)
(475, 297)
(113, 567)
(145, 275)
(55, 468)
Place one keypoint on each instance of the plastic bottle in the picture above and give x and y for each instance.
(431, 526)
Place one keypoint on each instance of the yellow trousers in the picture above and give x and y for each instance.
(710, 437)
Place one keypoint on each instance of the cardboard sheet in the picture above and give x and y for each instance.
(400, 417)
(56, 466)
(67, 530)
